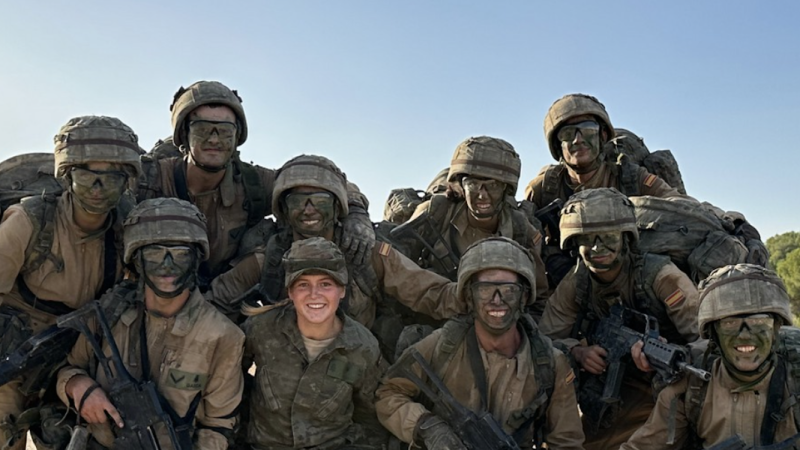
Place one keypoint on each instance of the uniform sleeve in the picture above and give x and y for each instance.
(78, 362)
(229, 286)
(651, 184)
(15, 233)
(223, 393)
(561, 312)
(681, 298)
(415, 287)
(533, 192)
(653, 435)
(267, 177)
(563, 421)
(364, 400)
(395, 405)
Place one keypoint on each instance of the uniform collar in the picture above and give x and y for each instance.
(67, 202)
(460, 220)
(182, 323)
(347, 339)
(227, 187)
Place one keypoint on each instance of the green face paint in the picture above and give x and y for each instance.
(746, 341)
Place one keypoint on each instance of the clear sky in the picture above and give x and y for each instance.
(387, 89)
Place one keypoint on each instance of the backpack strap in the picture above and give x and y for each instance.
(553, 177)
(545, 374)
(583, 297)
(772, 413)
(255, 196)
(645, 269)
(628, 177)
(789, 351)
(519, 228)
(41, 211)
(453, 333)
(181, 186)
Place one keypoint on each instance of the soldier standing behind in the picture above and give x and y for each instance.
(316, 368)
(753, 385)
(193, 353)
(58, 254)
(600, 225)
(495, 361)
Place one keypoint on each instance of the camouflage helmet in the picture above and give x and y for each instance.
(569, 106)
(165, 148)
(88, 139)
(313, 171)
(203, 93)
(164, 220)
(486, 157)
(628, 143)
(495, 253)
(439, 183)
(741, 289)
(602, 210)
(314, 256)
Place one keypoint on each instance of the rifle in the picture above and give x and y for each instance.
(42, 352)
(736, 442)
(424, 230)
(79, 439)
(549, 218)
(137, 402)
(476, 431)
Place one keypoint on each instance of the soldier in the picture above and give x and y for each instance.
(310, 198)
(485, 171)
(194, 354)
(57, 254)
(600, 226)
(753, 377)
(316, 368)
(209, 124)
(493, 361)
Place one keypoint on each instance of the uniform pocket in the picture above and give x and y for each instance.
(264, 389)
(338, 402)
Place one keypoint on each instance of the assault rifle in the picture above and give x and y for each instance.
(549, 218)
(736, 442)
(424, 230)
(37, 358)
(137, 402)
(476, 431)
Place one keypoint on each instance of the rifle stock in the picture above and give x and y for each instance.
(44, 351)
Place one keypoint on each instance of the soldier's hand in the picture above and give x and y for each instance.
(639, 358)
(96, 405)
(591, 359)
(358, 237)
(436, 434)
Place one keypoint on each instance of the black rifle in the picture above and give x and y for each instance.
(424, 230)
(137, 402)
(476, 431)
(736, 442)
(669, 361)
(549, 218)
(38, 357)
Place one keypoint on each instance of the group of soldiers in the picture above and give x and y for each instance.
(185, 299)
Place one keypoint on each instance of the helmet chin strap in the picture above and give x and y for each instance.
(206, 168)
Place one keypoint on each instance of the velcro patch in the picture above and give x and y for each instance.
(344, 370)
(675, 298)
(186, 381)
(650, 180)
(570, 377)
(384, 249)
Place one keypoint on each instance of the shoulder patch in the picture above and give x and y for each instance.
(675, 299)
(186, 381)
(538, 238)
(385, 248)
(650, 180)
(570, 377)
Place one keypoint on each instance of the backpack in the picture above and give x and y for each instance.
(402, 203)
(692, 236)
(786, 374)
(660, 162)
(27, 175)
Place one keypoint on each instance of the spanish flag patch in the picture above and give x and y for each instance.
(675, 298)
(537, 238)
(650, 180)
(384, 249)
(570, 377)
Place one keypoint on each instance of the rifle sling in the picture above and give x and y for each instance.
(476, 364)
(772, 413)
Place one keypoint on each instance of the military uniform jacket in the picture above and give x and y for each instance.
(72, 275)
(511, 385)
(301, 404)
(729, 409)
(196, 351)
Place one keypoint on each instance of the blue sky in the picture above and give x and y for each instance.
(388, 89)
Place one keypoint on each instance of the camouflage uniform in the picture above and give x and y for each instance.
(730, 406)
(493, 159)
(242, 199)
(649, 284)
(321, 403)
(195, 352)
(72, 270)
(513, 384)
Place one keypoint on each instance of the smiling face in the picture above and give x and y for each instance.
(310, 211)
(484, 196)
(580, 138)
(316, 298)
(497, 296)
(212, 135)
(746, 341)
(168, 268)
(600, 252)
(98, 186)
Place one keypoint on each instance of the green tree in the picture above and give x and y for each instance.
(782, 244)
(784, 257)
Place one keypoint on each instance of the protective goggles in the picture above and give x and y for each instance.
(492, 187)
(485, 290)
(609, 240)
(756, 323)
(587, 129)
(109, 179)
(181, 255)
(321, 201)
(206, 128)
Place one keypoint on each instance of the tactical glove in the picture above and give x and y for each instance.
(358, 237)
(435, 434)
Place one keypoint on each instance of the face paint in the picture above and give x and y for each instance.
(97, 191)
(746, 341)
(484, 197)
(212, 142)
(168, 269)
(497, 304)
(310, 213)
(580, 143)
(600, 252)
